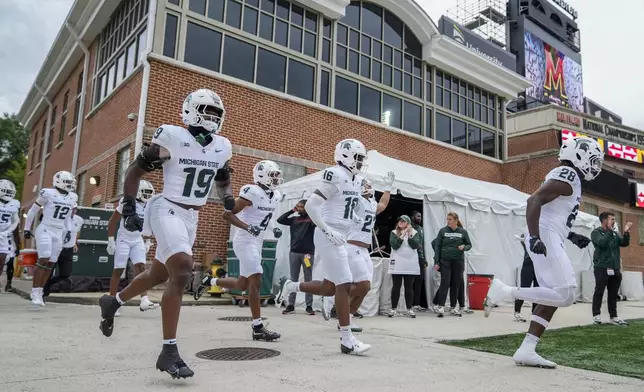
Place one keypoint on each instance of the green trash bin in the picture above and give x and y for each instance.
(92, 259)
(269, 251)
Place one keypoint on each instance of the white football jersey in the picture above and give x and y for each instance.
(338, 209)
(367, 212)
(7, 211)
(56, 207)
(69, 239)
(123, 233)
(260, 213)
(189, 174)
(559, 215)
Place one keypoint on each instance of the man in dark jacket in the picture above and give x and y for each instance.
(420, 298)
(606, 261)
(302, 250)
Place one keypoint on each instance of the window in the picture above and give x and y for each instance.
(370, 103)
(459, 134)
(124, 34)
(388, 61)
(488, 143)
(43, 135)
(239, 59)
(291, 172)
(474, 139)
(391, 111)
(500, 146)
(63, 118)
(271, 70)
(301, 80)
(443, 128)
(123, 163)
(428, 123)
(590, 208)
(346, 95)
(170, 36)
(51, 129)
(324, 89)
(464, 98)
(413, 118)
(197, 38)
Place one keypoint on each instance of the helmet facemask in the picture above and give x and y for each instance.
(367, 188)
(273, 179)
(7, 191)
(209, 118)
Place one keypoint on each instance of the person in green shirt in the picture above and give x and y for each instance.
(452, 242)
(606, 262)
(403, 265)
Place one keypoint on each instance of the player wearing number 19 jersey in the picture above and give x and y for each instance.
(551, 214)
(192, 159)
(252, 215)
(58, 207)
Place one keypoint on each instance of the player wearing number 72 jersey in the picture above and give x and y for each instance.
(192, 159)
(252, 214)
(550, 214)
(58, 208)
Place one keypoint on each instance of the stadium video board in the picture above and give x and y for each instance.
(555, 77)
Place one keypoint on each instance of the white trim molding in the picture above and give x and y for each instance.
(450, 56)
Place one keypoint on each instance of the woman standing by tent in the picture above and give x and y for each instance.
(452, 242)
(404, 264)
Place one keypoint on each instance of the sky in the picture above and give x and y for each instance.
(612, 68)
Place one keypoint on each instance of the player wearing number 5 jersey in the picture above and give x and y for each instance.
(58, 208)
(252, 215)
(192, 160)
(550, 214)
(9, 219)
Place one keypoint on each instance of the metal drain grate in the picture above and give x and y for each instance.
(237, 354)
(238, 318)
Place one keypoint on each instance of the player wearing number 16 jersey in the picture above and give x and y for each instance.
(252, 214)
(192, 159)
(58, 208)
(550, 214)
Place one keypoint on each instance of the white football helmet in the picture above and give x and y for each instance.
(7, 190)
(367, 188)
(203, 108)
(352, 154)
(65, 181)
(267, 173)
(585, 154)
(145, 192)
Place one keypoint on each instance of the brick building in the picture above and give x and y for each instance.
(534, 138)
(295, 77)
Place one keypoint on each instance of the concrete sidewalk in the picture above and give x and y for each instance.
(59, 348)
(23, 289)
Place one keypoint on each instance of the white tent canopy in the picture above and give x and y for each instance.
(492, 213)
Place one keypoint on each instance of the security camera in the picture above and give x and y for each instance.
(132, 116)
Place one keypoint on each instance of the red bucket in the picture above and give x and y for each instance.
(478, 286)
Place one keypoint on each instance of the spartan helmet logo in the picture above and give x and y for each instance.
(260, 166)
(347, 146)
(583, 145)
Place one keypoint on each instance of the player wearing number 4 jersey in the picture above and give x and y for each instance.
(550, 215)
(191, 160)
(58, 208)
(252, 214)
(332, 209)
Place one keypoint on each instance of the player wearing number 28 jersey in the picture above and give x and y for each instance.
(252, 215)
(551, 214)
(192, 160)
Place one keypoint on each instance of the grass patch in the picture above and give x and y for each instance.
(602, 348)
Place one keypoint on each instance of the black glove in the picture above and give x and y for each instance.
(579, 240)
(229, 203)
(537, 246)
(131, 220)
(254, 230)
(277, 232)
(28, 234)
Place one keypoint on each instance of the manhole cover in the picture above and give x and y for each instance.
(237, 354)
(238, 318)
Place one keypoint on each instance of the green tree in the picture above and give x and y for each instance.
(14, 143)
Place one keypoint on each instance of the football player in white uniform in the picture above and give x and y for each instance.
(129, 245)
(332, 209)
(9, 219)
(191, 159)
(550, 214)
(58, 208)
(252, 214)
